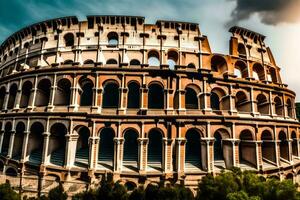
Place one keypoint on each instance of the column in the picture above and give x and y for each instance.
(95, 92)
(18, 96)
(1, 139)
(71, 141)
(93, 152)
(181, 97)
(11, 143)
(74, 95)
(180, 155)
(6, 97)
(259, 161)
(206, 97)
(118, 154)
(271, 104)
(253, 111)
(143, 144)
(45, 156)
(32, 95)
(232, 101)
(123, 92)
(24, 157)
(50, 106)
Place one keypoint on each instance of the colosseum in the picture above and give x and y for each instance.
(142, 102)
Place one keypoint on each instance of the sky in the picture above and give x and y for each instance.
(279, 20)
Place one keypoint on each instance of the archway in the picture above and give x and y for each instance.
(284, 146)
(2, 97)
(191, 99)
(153, 59)
(18, 141)
(241, 102)
(69, 39)
(6, 139)
(263, 106)
(11, 172)
(111, 95)
(25, 97)
(155, 149)
(130, 155)
(106, 148)
(193, 150)
(268, 148)
(155, 96)
(222, 150)
(43, 93)
(172, 59)
(133, 100)
(278, 106)
(86, 94)
(82, 147)
(36, 141)
(247, 150)
(12, 96)
(258, 72)
(63, 93)
(57, 144)
(294, 144)
(219, 64)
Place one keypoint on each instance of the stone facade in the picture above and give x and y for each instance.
(144, 102)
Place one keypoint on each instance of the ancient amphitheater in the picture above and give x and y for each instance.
(144, 102)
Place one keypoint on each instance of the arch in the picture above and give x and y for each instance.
(2, 97)
(268, 147)
(88, 62)
(63, 93)
(57, 144)
(241, 102)
(247, 148)
(294, 144)
(289, 108)
(111, 62)
(219, 64)
(273, 74)
(106, 147)
(68, 62)
(191, 66)
(134, 62)
(69, 39)
(290, 176)
(130, 153)
(258, 72)
(153, 58)
(155, 150)
(155, 96)
(214, 101)
(18, 141)
(240, 69)
(218, 100)
(110, 95)
(86, 94)
(193, 149)
(6, 138)
(11, 172)
(133, 99)
(284, 145)
(278, 106)
(130, 186)
(82, 147)
(113, 39)
(263, 106)
(218, 149)
(36, 141)
(191, 98)
(43, 93)
(25, 96)
(222, 149)
(172, 59)
(12, 96)
(242, 50)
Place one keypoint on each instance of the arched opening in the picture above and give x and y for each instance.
(290, 176)
(241, 102)
(219, 100)
(88, 62)
(153, 58)
(133, 100)
(6, 139)
(43, 93)
(268, 149)
(219, 64)
(57, 144)
(11, 172)
(113, 39)
(214, 101)
(130, 186)
(289, 108)
(247, 150)
(284, 146)
(82, 147)
(156, 96)
(63, 93)
(12, 96)
(242, 50)
(263, 106)
(25, 97)
(258, 72)
(273, 74)
(18, 141)
(134, 62)
(86, 94)
(111, 95)
(1, 167)
(278, 106)
(69, 39)
(191, 66)
(111, 62)
(294, 144)
(172, 59)
(106, 148)
(240, 70)
(68, 62)
(155, 149)
(218, 150)
(191, 99)
(2, 97)
(222, 150)
(193, 149)
(36, 141)
(130, 155)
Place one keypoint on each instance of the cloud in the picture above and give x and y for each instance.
(270, 12)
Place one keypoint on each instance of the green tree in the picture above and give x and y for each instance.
(137, 194)
(7, 193)
(57, 193)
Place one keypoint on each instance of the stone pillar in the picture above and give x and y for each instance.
(143, 147)
(45, 156)
(167, 155)
(1, 139)
(74, 95)
(271, 104)
(18, 96)
(11, 143)
(206, 97)
(290, 150)
(123, 101)
(232, 107)
(6, 98)
(93, 152)
(253, 111)
(180, 155)
(207, 153)
(169, 102)
(181, 98)
(24, 156)
(95, 93)
(71, 141)
(118, 154)
(259, 161)
(50, 106)
(144, 99)
(32, 98)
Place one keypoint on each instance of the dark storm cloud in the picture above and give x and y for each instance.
(270, 12)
